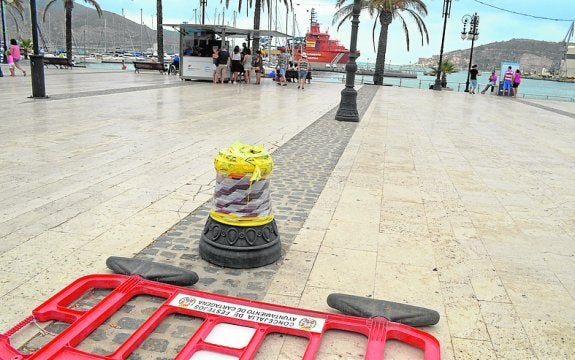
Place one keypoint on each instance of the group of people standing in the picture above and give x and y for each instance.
(302, 68)
(242, 63)
(13, 58)
(511, 81)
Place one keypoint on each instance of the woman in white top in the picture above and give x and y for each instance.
(247, 64)
(236, 63)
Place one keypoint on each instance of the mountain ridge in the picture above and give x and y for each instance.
(533, 55)
(89, 31)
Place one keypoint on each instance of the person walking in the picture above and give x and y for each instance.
(15, 50)
(247, 62)
(282, 67)
(257, 64)
(473, 77)
(10, 62)
(302, 69)
(516, 82)
(492, 82)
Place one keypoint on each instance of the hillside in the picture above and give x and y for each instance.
(532, 54)
(88, 30)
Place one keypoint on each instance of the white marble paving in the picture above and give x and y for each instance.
(435, 202)
(475, 221)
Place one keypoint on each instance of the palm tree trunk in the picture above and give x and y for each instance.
(257, 13)
(384, 20)
(69, 5)
(160, 31)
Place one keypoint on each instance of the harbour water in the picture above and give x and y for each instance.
(529, 88)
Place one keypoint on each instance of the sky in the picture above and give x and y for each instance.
(494, 24)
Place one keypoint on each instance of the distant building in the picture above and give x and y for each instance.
(568, 62)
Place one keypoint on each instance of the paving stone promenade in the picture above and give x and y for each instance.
(459, 203)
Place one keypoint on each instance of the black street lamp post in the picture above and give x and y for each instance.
(347, 110)
(472, 34)
(446, 11)
(37, 59)
(3, 32)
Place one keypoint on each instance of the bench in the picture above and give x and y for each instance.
(146, 65)
(58, 62)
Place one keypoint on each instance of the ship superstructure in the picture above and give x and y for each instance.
(322, 51)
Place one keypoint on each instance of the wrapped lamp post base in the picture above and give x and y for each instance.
(240, 247)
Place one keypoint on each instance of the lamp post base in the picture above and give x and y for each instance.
(240, 247)
(37, 70)
(347, 110)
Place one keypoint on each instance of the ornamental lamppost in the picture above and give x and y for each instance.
(347, 110)
(446, 11)
(472, 34)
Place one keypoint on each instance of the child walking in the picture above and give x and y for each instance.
(10, 61)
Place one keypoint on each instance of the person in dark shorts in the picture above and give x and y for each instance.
(516, 82)
(223, 58)
(236, 67)
(257, 64)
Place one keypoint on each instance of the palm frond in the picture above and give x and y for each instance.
(96, 5)
(48, 5)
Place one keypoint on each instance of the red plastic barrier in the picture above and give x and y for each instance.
(263, 318)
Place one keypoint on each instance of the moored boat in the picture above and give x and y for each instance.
(322, 51)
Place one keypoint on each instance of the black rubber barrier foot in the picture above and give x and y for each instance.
(150, 270)
(392, 311)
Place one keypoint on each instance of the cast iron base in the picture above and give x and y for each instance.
(240, 247)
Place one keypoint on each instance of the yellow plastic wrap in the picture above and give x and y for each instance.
(241, 195)
(240, 159)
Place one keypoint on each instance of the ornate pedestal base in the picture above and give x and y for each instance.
(240, 247)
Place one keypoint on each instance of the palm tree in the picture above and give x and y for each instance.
(68, 6)
(26, 45)
(385, 11)
(257, 14)
(13, 8)
(446, 68)
(159, 31)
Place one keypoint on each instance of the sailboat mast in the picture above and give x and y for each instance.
(105, 43)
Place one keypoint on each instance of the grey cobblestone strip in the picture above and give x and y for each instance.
(110, 91)
(302, 167)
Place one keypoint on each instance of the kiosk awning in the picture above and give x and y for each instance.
(228, 31)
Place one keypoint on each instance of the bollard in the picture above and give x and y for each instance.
(241, 231)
